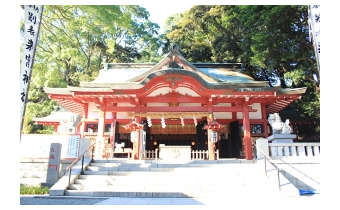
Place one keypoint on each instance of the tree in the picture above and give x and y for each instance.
(270, 40)
(75, 40)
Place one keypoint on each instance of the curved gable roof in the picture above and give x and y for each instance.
(137, 74)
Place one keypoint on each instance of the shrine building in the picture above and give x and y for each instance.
(204, 106)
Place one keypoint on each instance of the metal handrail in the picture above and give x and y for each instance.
(69, 168)
(271, 161)
(300, 172)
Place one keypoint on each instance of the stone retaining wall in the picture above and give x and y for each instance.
(33, 172)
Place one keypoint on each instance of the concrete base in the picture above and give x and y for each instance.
(280, 138)
(174, 152)
(262, 144)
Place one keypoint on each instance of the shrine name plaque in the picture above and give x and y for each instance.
(174, 152)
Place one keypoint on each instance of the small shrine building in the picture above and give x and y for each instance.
(175, 100)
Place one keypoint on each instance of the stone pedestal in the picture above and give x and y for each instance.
(100, 144)
(262, 144)
(53, 167)
(280, 138)
(175, 152)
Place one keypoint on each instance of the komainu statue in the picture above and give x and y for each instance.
(69, 125)
(278, 126)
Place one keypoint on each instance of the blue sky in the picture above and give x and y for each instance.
(159, 13)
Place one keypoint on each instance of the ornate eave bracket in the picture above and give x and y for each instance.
(133, 125)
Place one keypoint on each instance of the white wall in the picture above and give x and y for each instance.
(92, 113)
(122, 115)
(223, 115)
(166, 90)
(38, 145)
(184, 90)
(252, 115)
(163, 90)
(158, 104)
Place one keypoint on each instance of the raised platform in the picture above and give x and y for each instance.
(174, 152)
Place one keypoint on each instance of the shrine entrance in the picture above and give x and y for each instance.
(174, 98)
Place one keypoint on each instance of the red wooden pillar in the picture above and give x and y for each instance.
(113, 128)
(101, 123)
(83, 124)
(136, 145)
(246, 136)
(264, 117)
(56, 128)
(100, 141)
(233, 114)
(211, 145)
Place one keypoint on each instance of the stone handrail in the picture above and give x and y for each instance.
(294, 149)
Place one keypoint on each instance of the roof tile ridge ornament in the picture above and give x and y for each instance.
(133, 125)
(173, 54)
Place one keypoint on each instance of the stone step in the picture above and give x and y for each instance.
(189, 174)
(207, 162)
(165, 165)
(127, 178)
(171, 182)
(172, 169)
(168, 178)
(161, 194)
(76, 187)
(167, 188)
(183, 170)
(170, 188)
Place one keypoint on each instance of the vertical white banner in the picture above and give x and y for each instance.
(314, 30)
(33, 14)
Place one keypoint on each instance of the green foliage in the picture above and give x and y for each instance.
(75, 40)
(267, 39)
(33, 190)
(272, 41)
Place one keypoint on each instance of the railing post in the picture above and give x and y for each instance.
(156, 154)
(278, 177)
(217, 155)
(265, 165)
(69, 177)
(92, 153)
(82, 165)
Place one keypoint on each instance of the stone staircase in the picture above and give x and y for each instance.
(156, 178)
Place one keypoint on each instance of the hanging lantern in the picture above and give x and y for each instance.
(163, 122)
(182, 121)
(195, 120)
(134, 136)
(214, 126)
(149, 121)
(214, 136)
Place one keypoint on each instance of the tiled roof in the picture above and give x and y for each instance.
(126, 75)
